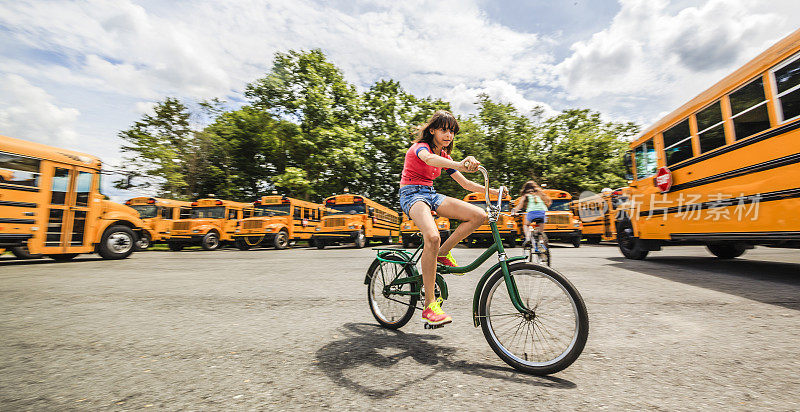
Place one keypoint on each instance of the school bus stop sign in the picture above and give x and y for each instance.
(663, 179)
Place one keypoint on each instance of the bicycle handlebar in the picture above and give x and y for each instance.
(486, 190)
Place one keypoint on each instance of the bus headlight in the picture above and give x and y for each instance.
(510, 224)
(441, 226)
(317, 229)
(409, 227)
(196, 231)
(351, 227)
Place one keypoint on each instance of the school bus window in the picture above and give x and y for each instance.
(146, 211)
(272, 210)
(352, 209)
(19, 170)
(749, 109)
(186, 213)
(677, 143)
(248, 213)
(232, 214)
(787, 80)
(211, 212)
(561, 205)
(297, 212)
(83, 187)
(166, 212)
(710, 125)
(60, 184)
(645, 155)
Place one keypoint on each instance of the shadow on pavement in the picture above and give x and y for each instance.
(775, 283)
(45, 261)
(367, 345)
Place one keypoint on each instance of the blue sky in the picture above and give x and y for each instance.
(73, 74)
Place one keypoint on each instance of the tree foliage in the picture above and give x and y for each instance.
(308, 133)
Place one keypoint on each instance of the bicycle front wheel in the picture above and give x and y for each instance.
(545, 340)
(392, 306)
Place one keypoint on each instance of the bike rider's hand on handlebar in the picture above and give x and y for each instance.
(469, 164)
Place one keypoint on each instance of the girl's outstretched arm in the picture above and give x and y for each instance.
(470, 185)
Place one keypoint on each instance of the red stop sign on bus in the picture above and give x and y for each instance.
(663, 179)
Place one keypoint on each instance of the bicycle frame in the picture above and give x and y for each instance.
(411, 259)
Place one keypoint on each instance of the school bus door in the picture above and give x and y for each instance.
(68, 209)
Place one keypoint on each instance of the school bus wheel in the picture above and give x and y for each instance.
(281, 240)
(319, 243)
(63, 257)
(726, 251)
(144, 242)
(210, 240)
(21, 252)
(117, 242)
(175, 246)
(241, 243)
(629, 245)
(576, 241)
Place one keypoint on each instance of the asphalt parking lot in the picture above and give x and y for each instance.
(269, 329)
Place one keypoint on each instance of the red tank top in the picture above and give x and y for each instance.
(417, 172)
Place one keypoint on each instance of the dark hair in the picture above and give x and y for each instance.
(529, 187)
(441, 119)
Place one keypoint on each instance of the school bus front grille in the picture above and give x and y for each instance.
(334, 222)
(181, 225)
(252, 224)
(558, 220)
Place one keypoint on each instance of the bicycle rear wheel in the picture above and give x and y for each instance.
(392, 310)
(547, 339)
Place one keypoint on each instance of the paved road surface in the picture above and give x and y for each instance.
(291, 329)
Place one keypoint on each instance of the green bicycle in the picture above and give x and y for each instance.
(532, 316)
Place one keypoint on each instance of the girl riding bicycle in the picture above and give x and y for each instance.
(424, 162)
(535, 202)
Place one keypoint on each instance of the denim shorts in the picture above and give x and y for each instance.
(537, 216)
(411, 194)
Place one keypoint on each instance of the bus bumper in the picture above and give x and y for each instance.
(563, 234)
(348, 236)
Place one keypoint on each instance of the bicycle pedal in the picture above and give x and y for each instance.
(429, 326)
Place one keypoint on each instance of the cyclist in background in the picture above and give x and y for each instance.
(535, 203)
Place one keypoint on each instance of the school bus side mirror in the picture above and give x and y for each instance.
(371, 211)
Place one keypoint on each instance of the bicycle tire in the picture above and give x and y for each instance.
(541, 334)
(395, 320)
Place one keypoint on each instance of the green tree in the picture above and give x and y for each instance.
(585, 152)
(155, 150)
(389, 117)
(310, 91)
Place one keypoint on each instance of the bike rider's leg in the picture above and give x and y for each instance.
(526, 228)
(420, 213)
(471, 218)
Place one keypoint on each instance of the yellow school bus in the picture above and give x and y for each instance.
(560, 223)
(409, 231)
(721, 170)
(213, 223)
(507, 226)
(158, 215)
(356, 219)
(598, 214)
(278, 221)
(50, 204)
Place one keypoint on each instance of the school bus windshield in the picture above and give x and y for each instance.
(214, 212)
(504, 207)
(146, 211)
(272, 210)
(352, 209)
(561, 205)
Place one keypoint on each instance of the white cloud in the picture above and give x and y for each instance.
(651, 53)
(463, 97)
(28, 112)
